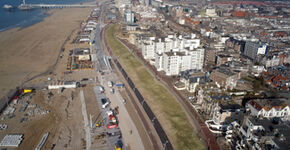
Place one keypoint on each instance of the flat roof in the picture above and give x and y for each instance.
(175, 53)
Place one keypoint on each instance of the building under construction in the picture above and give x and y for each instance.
(79, 59)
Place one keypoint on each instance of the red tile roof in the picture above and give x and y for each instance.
(256, 105)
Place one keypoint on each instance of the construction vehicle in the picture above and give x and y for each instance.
(119, 145)
(112, 120)
(111, 125)
(118, 148)
(99, 124)
(27, 90)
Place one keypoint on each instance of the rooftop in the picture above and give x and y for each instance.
(276, 130)
(268, 104)
(225, 71)
(175, 53)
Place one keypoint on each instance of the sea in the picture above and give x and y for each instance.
(18, 18)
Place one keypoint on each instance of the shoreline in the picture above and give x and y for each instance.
(28, 23)
(39, 18)
(26, 52)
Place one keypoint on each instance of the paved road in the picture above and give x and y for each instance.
(86, 122)
(98, 51)
(126, 123)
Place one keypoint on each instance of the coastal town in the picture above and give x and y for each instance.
(148, 75)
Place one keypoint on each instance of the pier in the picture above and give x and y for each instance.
(25, 6)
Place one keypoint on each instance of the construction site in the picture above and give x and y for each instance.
(79, 59)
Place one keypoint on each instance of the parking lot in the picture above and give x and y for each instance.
(114, 133)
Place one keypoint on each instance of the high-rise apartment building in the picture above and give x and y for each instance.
(252, 49)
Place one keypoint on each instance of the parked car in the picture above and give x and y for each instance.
(110, 83)
(112, 90)
(102, 90)
(105, 102)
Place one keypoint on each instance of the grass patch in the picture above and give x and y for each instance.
(184, 135)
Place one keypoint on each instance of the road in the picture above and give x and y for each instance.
(126, 123)
(98, 52)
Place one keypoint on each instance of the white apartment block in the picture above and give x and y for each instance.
(175, 62)
(148, 50)
(185, 62)
(197, 58)
(173, 54)
(160, 47)
(172, 43)
(129, 16)
(159, 62)
(168, 43)
(195, 43)
(171, 63)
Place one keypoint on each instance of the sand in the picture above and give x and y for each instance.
(25, 52)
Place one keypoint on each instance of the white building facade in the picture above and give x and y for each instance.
(174, 54)
(268, 112)
(171, 62)
(148, 50)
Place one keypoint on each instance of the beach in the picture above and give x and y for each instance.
(26, 52)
